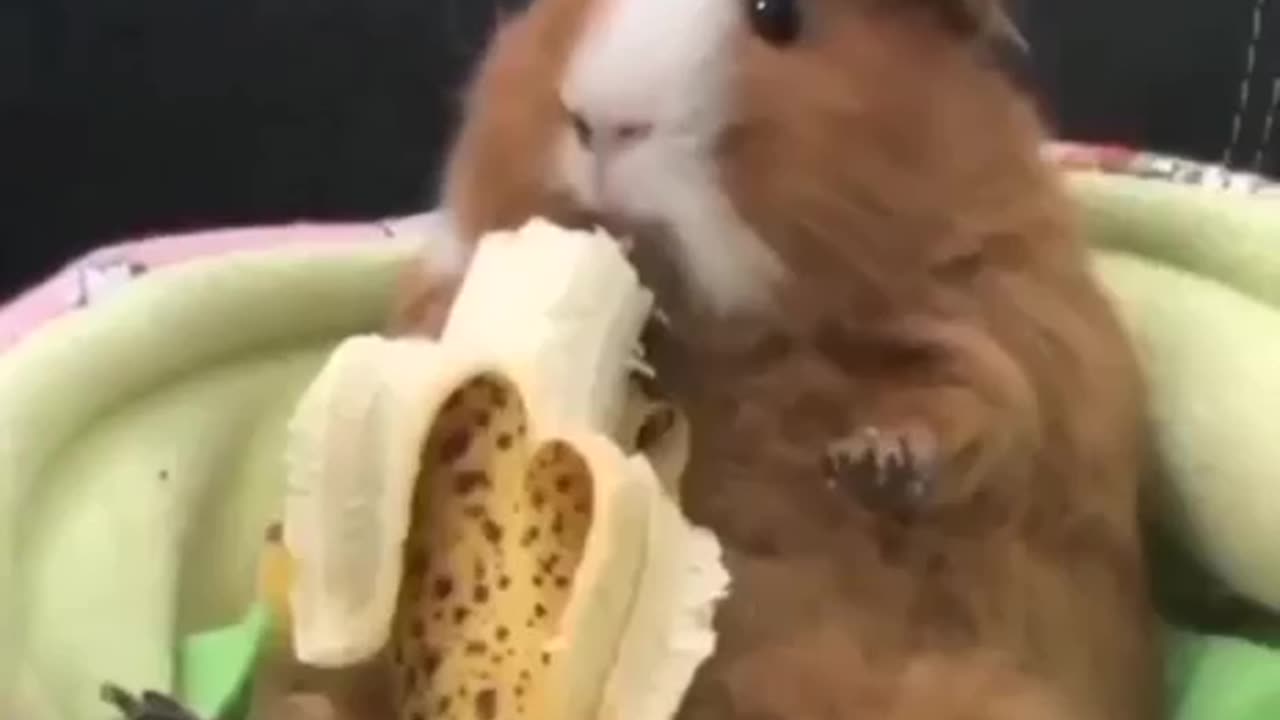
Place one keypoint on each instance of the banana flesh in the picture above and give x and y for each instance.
(495, 509)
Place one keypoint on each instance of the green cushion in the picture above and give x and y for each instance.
(140, 463)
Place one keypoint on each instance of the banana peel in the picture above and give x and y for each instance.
(496, 510)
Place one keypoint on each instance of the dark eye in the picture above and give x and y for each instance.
(777, 22)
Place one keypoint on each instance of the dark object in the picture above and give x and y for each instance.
(125, 117)
(1189, 77)
(120, 117)
(151, 706)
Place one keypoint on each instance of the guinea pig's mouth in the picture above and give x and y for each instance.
(640, 242)
(626, 232)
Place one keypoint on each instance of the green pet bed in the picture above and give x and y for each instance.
(140, 453)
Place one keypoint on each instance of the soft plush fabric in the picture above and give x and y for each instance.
(1197, 275)
(140, 459)
(140, 440)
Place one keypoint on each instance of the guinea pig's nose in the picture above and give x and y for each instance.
(597, 132)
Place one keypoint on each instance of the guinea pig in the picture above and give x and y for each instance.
(918, 427)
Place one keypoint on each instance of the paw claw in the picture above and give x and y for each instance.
(150, 706)
(886, 469)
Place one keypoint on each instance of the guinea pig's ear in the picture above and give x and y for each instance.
(979, 19)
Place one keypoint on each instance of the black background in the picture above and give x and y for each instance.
(127, 116)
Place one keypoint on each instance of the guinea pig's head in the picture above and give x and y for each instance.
(760, 135)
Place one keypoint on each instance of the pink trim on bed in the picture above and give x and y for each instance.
(66, 291)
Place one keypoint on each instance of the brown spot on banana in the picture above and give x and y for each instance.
(506, 520)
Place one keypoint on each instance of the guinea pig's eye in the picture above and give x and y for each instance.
(777, 22)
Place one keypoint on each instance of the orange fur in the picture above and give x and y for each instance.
(939, 278)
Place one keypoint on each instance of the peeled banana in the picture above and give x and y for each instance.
(479, 507)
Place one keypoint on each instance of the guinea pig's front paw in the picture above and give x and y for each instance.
(150, 706)
(421, 302)
(890, 469)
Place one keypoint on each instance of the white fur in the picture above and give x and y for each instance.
(669, 64)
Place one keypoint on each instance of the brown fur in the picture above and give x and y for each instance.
(940, 280)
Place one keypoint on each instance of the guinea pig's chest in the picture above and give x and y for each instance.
(757, 380)
(764, 402)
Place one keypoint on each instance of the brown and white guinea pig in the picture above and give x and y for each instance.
(918, 425)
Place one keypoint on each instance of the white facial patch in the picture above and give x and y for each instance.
(665, 66)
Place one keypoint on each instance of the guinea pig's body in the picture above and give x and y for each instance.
(918, 426)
